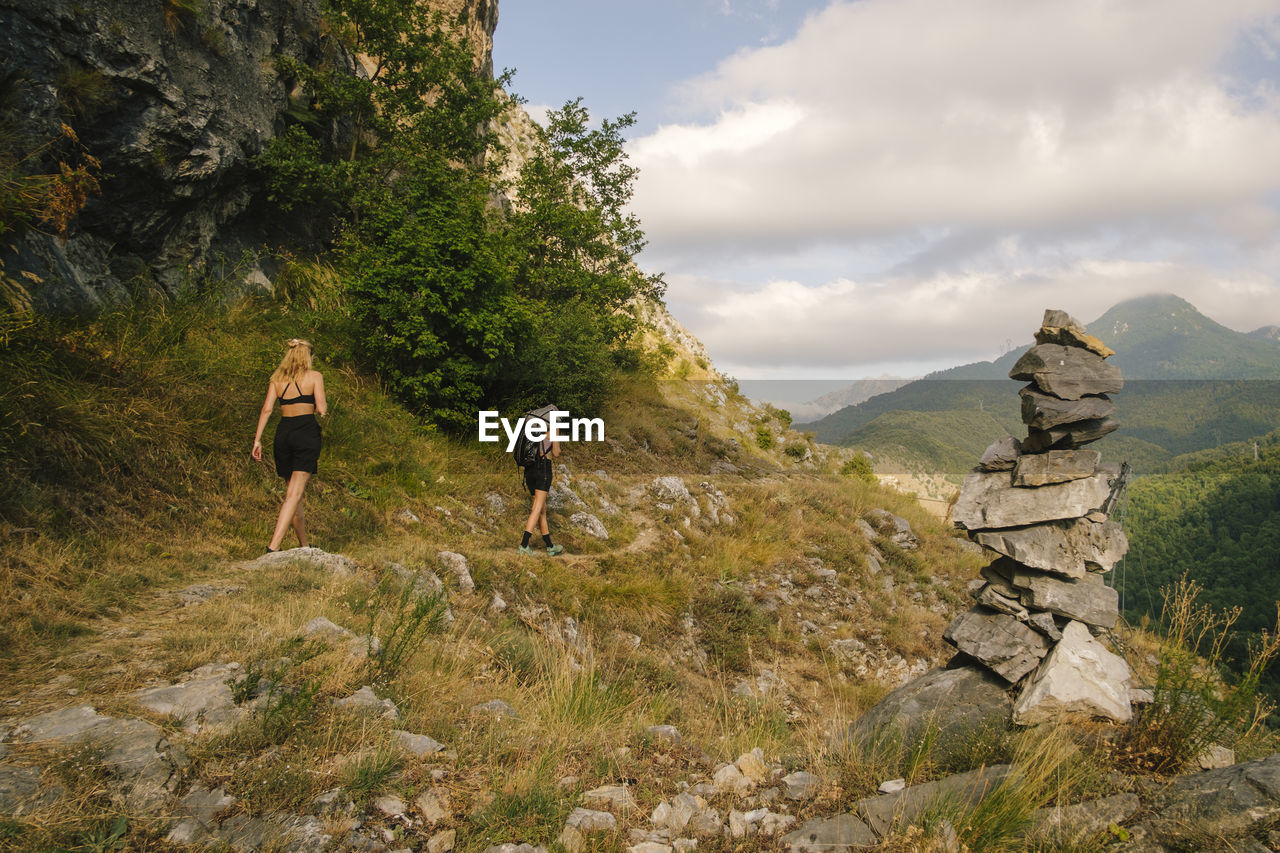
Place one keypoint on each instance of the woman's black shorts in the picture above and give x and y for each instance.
(297, 445)
(537, 477)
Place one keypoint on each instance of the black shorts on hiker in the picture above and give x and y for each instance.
(537, 477)
(297, 445)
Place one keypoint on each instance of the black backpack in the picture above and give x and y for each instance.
(528, 452)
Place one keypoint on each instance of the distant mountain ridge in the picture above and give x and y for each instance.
(1192, 384)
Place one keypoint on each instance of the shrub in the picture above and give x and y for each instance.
(401, 615)
(731, 625)
(795, 451)
(1195, 704)
(764, 438)
(858, 466)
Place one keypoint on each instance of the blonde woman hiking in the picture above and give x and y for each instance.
(297, 443)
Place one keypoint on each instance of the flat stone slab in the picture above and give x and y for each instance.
(1067, 372)
(203, 701)
(1063, 825)
(1086, 600)
(18, 786)
(884, 812)
(1002, 643)
(1044, 411)
(1219, 803)
(1068, 436)
(1070, 548)
(1055, 466)
(989, 499)
(334, 563)
(1078, 680)
(826, 834)
(134, 750)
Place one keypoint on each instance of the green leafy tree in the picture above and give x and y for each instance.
(574, 246)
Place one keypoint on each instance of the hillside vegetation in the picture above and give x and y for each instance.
(127, 478)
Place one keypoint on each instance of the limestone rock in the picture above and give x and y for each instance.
(494, 707)
(989, 499)
(1218, 803)
(999, 641)
(333, 563)
(800, 785)
(203, 701)
(670, 490)
(1068, 436)
(1086, 600)
(826, 834)
(417, 745)
(589, 524)
(561, 497)
(753, 767)
(1079, 679)
(1044, 623)
(905, 807)
(1071, 825)
(1045, 411)
(18, 785)
(988, 597)
(894, 528)
(201, 593)
(1215, 756)
(457, 564)
(612, 797)
(365, 702)
(433, 806)
(442, 842)
(1055, 466)
(957, 703)
(1067, 372)
(729, 780)
(1068, 548)
(668, 734)
(1059, 327)
(1002, 455)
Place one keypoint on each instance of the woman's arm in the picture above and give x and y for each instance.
(322, 405)
(263, 416)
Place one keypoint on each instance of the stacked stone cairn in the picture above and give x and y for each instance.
(1038, 507)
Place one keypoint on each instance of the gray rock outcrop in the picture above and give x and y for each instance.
(1038, 504)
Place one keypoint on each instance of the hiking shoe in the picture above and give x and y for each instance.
(525, 549)
(555, 549)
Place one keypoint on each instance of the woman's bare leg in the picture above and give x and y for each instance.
(298, 526)
(539, 512)
(292, 498)
(542, 521)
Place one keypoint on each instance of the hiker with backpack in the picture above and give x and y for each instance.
(535, 457)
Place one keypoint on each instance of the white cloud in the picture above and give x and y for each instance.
(993, 156)
(889, 114)
(864, 328)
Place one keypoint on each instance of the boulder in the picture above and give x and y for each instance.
(999, 641)
(581, 823)
(366, 703)
(1067, 372)
(1001, 455)
(894, 528)
(954, 703)
(415, 744)
(336, 564)
(1055, 466)
(1045, 411)
(611, 797)
(1087, 599)
(1068, 436)
(989, 499)
(1079, 679)
(801, 785)
(1067, 548)
(589, 524)
(1045, 624)
(1059, 327)
(1218, 803)
(989, 597)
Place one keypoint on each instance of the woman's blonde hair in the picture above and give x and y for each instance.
(296, 362)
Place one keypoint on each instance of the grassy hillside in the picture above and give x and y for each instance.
(126, 477)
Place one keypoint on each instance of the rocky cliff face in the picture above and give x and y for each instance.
(175, 98)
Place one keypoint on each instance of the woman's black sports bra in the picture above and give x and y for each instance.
(301, 398)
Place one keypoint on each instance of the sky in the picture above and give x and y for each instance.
(840, 190)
